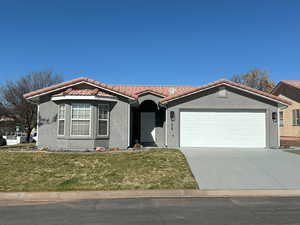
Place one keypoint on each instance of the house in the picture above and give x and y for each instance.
(7, 125)
(82, 114)
(289, 116)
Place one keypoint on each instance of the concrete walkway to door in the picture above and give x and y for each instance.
(216, 168)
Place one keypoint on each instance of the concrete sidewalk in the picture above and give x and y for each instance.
(80, 195)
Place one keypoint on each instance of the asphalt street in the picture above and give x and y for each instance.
(156, 211)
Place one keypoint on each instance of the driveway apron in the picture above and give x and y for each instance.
(225, 169)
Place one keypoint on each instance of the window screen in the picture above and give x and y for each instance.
(281, 119)
(296, 117)
(80, 119)
(103, 119)
(61, 119)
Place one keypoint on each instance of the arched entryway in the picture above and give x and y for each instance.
(147, 124)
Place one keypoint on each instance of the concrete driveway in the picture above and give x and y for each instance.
(244, 168)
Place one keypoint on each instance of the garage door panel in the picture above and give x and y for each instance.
(222, 129)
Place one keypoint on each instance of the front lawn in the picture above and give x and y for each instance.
(149, 169)
(19, 147)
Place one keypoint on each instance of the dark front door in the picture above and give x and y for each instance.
(148, 127)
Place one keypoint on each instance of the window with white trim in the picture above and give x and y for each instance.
(80, 119)
(61, 119)
(281, 119)
(103, 119)
(296, 117)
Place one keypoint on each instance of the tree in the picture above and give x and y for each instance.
(13, 103)
(2, 110)
(255, 78)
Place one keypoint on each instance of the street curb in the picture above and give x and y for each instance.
(80, 195)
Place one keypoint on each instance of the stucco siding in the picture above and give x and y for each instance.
(47, 127)
(160, 128)
(119, 125)
(209, 100)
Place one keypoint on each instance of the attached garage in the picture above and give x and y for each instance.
(223, 114)
(223, 128)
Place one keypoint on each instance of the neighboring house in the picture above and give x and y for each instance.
(7, 125)
(290, 115)
(82, 114)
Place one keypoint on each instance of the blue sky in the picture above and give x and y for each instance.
(149, 41)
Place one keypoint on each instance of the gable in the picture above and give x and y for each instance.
(150, 92)
(218, 83)
(148, 96)
(211, 98)
(82, 81)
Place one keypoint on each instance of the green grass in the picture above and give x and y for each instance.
(18, 147)
(150, 169)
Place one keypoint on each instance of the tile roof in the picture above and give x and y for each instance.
(169, 92)
(72, 82)
(231, 83)
(84, 92)
(294, 83)
(128, 90)
(149, 91)
(164, 90)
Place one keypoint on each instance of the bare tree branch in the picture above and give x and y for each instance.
(13, 104)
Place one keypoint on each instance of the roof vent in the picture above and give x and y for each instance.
(222, 93)
(172, 91)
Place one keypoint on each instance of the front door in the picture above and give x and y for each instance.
(147, 127)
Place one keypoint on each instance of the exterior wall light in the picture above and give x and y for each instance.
(274, 117)
(172, 115)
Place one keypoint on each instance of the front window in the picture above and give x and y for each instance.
(296, 117)
(80, 119)
(103, 119)
(281, 119)
(61, 119)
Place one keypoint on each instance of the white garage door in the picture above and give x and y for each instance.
(222, 129)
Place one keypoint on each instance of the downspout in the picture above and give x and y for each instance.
(128, 125)
(37, 124)
(166, 129)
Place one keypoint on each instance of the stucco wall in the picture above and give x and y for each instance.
(118, 134)
(47, 130)
(288, 129)
(210, 100)
(160, 128)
